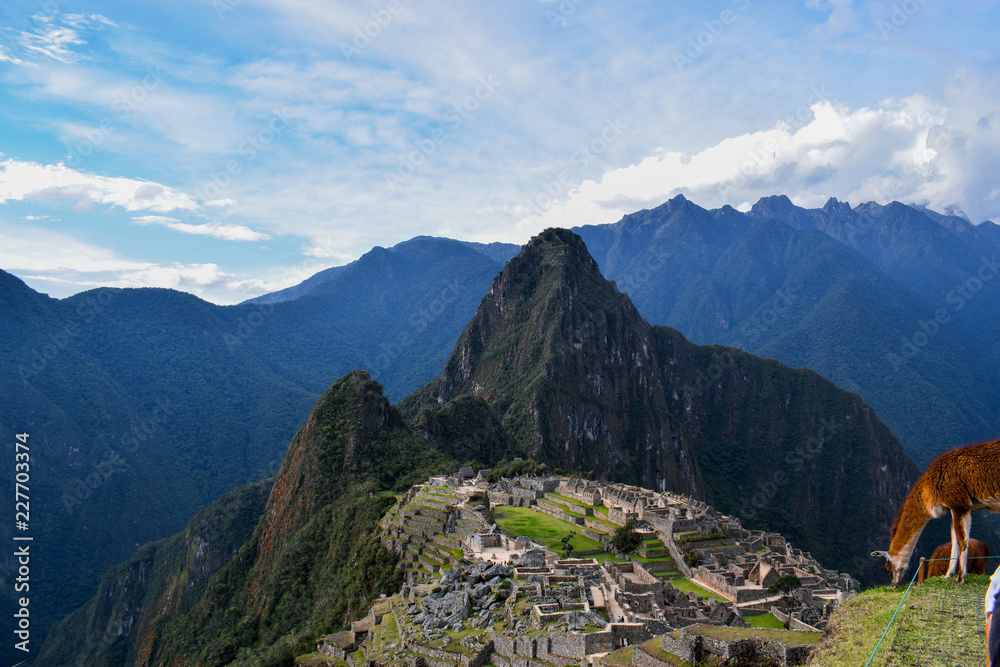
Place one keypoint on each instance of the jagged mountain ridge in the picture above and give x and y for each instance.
(835, 289)
(581, 381)
(105, 383)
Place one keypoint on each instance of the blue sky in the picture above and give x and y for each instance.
(233, 147)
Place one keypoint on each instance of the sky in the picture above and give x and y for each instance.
(230, 148)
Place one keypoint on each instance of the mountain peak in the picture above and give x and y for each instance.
(330, 445)
(676, 203)
(556, 246)
(833, 205)
(773, 206)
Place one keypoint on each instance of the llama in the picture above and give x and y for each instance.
(978, 553)
(962, 480)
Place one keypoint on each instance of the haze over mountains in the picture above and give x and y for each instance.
(148, 404)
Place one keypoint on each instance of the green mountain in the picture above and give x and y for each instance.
(149, 404)
(258, 573)
(582, 382)
(555, 364)
(145, 405)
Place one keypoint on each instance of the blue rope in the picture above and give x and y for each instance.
(886, 631)
(907, 592)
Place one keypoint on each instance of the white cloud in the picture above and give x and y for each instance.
(53, 42)
(905, 150)
(61, 265)
(53, 37)
(30, 181)
(214, 229)
(6, 57)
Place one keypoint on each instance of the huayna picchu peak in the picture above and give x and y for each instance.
(558, 368)
(582, 382)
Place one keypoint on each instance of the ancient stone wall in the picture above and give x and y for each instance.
(681, 644)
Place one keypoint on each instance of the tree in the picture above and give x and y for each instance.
(626, 540)
(785, 586)
(567, 547)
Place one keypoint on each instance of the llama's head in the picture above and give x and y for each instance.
(896, 571)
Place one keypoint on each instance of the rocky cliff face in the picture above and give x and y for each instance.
(582, 382)
(569, 364)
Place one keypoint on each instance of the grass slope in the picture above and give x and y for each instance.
(939, 624)
(542, 528)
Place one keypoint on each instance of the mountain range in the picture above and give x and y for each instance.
(149, 404)
(557, 365)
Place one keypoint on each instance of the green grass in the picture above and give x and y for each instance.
(622, 657)
(689, 587)
(764, 621)
(542, 528)
(658, 559)
(604, 522)
(602, 509)
(606, 556)
(567, 499)
(654, 647)
(940, 624)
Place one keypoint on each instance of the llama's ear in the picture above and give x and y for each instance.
(883, 554)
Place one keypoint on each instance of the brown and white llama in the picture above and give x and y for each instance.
(962, 480)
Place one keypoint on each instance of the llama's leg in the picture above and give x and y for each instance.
(959, 542)
(967, 530)
(953, 563)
